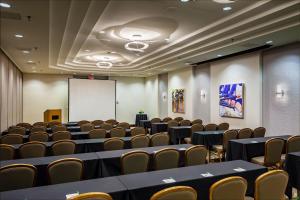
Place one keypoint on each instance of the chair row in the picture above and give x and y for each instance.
(180, 120)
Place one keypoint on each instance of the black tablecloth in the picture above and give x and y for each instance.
(207, 138)
(159, 127)
(109, 185)
(139, 117)
(142, 186)
(178, 133)
(110, 161)
(90, 160)
(246, 149)
(145, 123)
(293, 168)
(71, 124)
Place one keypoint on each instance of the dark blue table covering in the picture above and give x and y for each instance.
(139, 117)
(292, 166)
(145, 123)
(178, 133)
(159, 127)
(207, 138)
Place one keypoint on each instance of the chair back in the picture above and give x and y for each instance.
(166, 159)
(176, 193)
(140, 141)
(234, 187)
(17, 176)
(160, 139)
(271, 185)
(54, 123)
(273, 151)
(135, 162)
(63, 147)
(111, 121)
(82, 122)
(166, 119)
(17, 130)
(7, 152)
(44, 124)
(39, 136)
(65, 170)
(124, 125)
(185, 122)
(117, 132)
(172, 123)
(229, 135)
(223, 126)
(86, 127)
(197, 121)
(106, 126)
(197, 127)
(293, 144)
(91, 196)
(113, 144)
(25, 125)
(32, 150)
(195, 155)
(244, 133)
(57, 128)
(138, 131)
(155, 120)
(259, 132)
(38, 129)
(61, 135)
(11, 139)
(210, 127)
(97, 122)
(97, 133)
(178, 119)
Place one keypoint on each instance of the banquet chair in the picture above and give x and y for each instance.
(159, 139)
(176, 193)
(54, 123)
(223, 126)
(195, 155)
(92, 196)
(39, 136)
(273, 152)
(244, 133)
(97, 133)
(197, 121)
(117, 132)
(259, 132)
(292, 145)
(178, 119)
(63, 147)
(37, 129)
(97, 122)
(124, 125)
(185, 122)
(57, 128)
(135, 162)
(17, 130)
(44, 124)
(61, 135)
(155, 120)
(113, 144)
(17, 176)
(65, 170)
(11, 139)
(81, 122)
(210, 127)
(140, 141)
(166, 159)
(86, 127)
(111, 121)
(172, 123)
(138, 131)
(194, 128)
(106, 126)
(234, 187)
(7, 152)
(221, 149)
(25, 125)
(32, 150)
(166, 119)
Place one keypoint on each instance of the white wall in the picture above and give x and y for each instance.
(243, 69)
(151, 96)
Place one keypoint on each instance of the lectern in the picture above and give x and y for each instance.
(52, 115)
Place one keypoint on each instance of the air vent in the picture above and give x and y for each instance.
(10, 15)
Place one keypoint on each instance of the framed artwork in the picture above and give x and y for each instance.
(231, 100)
(178, 100)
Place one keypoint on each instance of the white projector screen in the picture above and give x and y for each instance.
(92, 99)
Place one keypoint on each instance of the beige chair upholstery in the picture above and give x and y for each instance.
(166, 119)
(111, 121)
(166, 159)
(223, 126)
(97, 122)
(39, 136)
(195, 155)
(172, 123)
(57, 128)
(97, 133)
(63, 147)
(117, 132)
(210, 127)
(25, 125)
(197, 121)
(244, 133)
(273, 151)
(92, 196)
(293, 144)
(124, 125)
(228, 189)
(32, 150)
(86, 127)
(65, 170)
(7, 152)
(54, 123)
(259, 132)
(61, 135)
(17, 130)
(113, 144)
(178, 119)
(138, 131)
(195, 127)
(160, 139)
(155, 120)
(221, 149)
(135, 162)
(82, 122)
(11, 139)
(106, 126)
(140, 141)
(17, 176)
(38, 129)
(176, 193)
(44, 124)
(185, 122)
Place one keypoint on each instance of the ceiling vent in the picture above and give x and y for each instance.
(10, 15)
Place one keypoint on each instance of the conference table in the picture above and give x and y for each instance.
(292, 166)
(208, 138)
(177, 133)
(159, 127)
(142, 186)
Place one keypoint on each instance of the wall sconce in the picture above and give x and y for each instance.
(202, 93)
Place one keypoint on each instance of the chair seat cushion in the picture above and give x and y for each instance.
(218, 148)
(258, 160)
(188, 140)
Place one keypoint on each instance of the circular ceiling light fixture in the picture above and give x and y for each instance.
(227, 8)
(104, 65)
(140, 34)
(136, 46)
(4, 5)
(184, 0)
(224, 1)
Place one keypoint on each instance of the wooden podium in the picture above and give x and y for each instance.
(52, 115)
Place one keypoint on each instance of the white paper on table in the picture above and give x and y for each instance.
(239, 169)
(68, 196)
(207, 174)
(169, 180)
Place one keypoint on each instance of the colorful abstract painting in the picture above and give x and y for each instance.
(178, 100)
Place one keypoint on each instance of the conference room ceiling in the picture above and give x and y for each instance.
(139, 37)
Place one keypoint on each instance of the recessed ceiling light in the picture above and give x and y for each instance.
(29, 61)
(227, 8)
(5, 5)
(269, 42)
(187, 63)
(18, 36)
(184, 0)
(87, 50)
(219, 55)
(167, 39)
(224, 1)
(113, 52)
(102, 32)
(26, 52)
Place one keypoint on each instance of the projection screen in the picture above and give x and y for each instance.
(92, 99)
